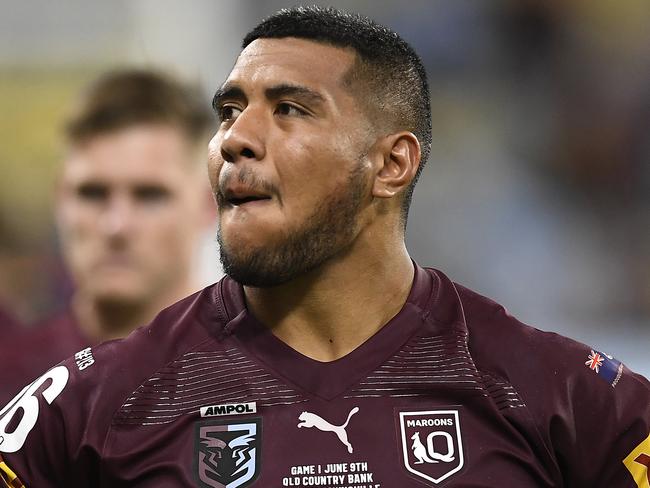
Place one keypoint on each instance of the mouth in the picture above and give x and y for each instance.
(238, 198)
(114, 263)
(236, 202)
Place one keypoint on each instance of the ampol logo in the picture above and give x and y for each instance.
(432, 446)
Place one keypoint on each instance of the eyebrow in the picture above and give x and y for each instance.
(233, 92)
(298, 91)
(227, 92)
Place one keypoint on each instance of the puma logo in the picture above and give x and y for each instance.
(424, 456)
(308, 419)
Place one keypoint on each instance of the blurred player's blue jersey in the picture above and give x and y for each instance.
(452, 392)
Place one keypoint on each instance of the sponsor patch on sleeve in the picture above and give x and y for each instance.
(605, 366)
(638, 463)
(8, 477)
(84, 358)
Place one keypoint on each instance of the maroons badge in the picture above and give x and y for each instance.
(432, 445)
(227, 453)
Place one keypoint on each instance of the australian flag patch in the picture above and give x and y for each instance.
(605, 366)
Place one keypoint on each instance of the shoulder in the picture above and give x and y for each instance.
(501, 344)
(8, 323)
(35, 350)
(67, 412)
(589, 408)
(112, 370)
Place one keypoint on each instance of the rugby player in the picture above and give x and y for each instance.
(327, 357)
(9, 325)
(132, 209)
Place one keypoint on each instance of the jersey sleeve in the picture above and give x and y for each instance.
(599, 423)
(45, 440)
(591, 410)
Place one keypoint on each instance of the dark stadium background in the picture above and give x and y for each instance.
(537, 192)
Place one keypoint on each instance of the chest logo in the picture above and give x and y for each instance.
(309, 420)
(432, 446)
(229, 409)
(227, 454)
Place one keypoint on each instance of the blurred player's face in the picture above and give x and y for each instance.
(131, 207)
(288, 164)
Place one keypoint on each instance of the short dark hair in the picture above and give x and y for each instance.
(393, 76)
(126, 97)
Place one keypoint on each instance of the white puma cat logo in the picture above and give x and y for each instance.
(423, 456)
(308, 419)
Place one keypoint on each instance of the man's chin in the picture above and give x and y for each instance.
(267, 268)
(251, 269)
(255, 278)
(118, 296)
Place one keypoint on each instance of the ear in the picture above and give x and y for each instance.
(401, 159)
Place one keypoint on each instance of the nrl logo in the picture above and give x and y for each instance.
(431, 444)
(227, 454)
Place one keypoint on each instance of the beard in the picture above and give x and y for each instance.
(330, 229)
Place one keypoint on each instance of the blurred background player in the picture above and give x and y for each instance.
(132, 204)
(9, 325)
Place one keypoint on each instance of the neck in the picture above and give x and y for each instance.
(104, 319)
(330, 311)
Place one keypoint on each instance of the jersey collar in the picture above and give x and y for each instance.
(432, 306)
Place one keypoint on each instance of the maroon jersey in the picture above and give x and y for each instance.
(38, 349)
(8, 323)
(10, 330)
(452, 392)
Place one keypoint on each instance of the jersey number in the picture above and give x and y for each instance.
(27, 401)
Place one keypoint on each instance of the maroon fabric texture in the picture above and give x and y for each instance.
(9, 325)
(37, 349)
(451, 392)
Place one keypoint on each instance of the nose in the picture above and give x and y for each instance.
(117, 217)
(244, 139)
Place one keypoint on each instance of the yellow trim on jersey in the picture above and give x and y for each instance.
(638, 463)
(9, 478)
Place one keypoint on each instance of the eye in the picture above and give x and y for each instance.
(151, 194)
(92, 192)
(289, 109)
(228, 112)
